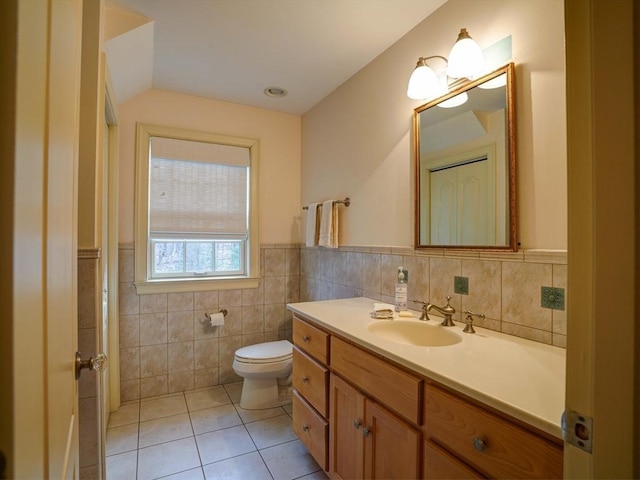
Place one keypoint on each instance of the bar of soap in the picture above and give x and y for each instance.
(405, 313)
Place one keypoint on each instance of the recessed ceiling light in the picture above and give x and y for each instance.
(275, 92)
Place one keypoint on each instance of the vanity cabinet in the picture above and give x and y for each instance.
(310, 389)
(361, 415)
(464, 440)
(366, 438)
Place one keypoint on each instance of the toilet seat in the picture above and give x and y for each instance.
(268, 352)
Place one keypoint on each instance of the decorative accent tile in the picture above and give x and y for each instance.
(461, 285)
(552, 298)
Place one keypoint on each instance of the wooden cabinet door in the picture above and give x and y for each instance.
(391, 445)
(345, 432)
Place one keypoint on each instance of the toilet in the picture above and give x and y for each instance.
(266, 369)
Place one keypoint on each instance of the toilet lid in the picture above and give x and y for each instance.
(265, 352)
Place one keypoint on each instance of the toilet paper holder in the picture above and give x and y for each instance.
(223, 311)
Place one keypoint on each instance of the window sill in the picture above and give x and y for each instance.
(191, 285)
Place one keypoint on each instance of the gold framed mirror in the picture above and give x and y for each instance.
(465, 166)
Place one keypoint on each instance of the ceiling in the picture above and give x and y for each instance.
(232, 50)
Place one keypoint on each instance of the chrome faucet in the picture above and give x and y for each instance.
(447, 311)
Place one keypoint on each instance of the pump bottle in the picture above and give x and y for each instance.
(401, 291)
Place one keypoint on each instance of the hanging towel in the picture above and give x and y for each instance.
(311, 233)
(328, 236)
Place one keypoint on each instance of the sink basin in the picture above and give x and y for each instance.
(414, 333)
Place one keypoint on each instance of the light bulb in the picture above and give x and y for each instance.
(499, 81)
(465, 58)
(455, 101)
(423, 82)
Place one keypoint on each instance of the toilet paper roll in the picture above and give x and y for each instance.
(216, 319)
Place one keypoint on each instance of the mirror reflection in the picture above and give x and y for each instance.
(465, 166)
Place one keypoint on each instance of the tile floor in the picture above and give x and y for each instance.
(204, 434)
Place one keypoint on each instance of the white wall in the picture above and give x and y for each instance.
(357, 142)
(279, 135)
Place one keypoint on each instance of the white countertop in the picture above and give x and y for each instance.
(522, 378)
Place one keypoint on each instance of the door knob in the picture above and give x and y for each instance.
(98, 363)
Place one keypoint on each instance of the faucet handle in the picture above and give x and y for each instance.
(425, 315)
(469, 321)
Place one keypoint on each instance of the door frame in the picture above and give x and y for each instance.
(111, 115)
(603, 322)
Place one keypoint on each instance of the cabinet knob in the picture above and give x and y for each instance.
(305, 379)
(356, 424)
(305, 428)
(305, 338)
(479, 444)
(366, 432)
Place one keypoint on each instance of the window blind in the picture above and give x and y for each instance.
(197, 188)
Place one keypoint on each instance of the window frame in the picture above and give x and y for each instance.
(142, 276)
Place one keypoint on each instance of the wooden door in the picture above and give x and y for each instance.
(462, 206)
(39, 423)
(603, 186)
(476, 205)
(444, 207)
(346, 420)
(391, 445)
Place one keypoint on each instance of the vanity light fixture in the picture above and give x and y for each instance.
(465, 61)
(424, 82)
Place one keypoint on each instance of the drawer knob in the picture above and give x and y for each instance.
(305, 428)
(305, 338)
(479, 444)
(305, 379)
(366, 432)
(356, 424)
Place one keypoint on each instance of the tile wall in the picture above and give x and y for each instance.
(167, 346)
(506, 287)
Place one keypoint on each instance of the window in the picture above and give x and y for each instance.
(196, 211)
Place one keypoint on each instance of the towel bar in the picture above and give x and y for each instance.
(346, 202)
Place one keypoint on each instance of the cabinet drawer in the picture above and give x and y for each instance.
(311, 339)
(397, 389)
(311, 429)
(509, 451)
(438, 464)
(310, 379)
